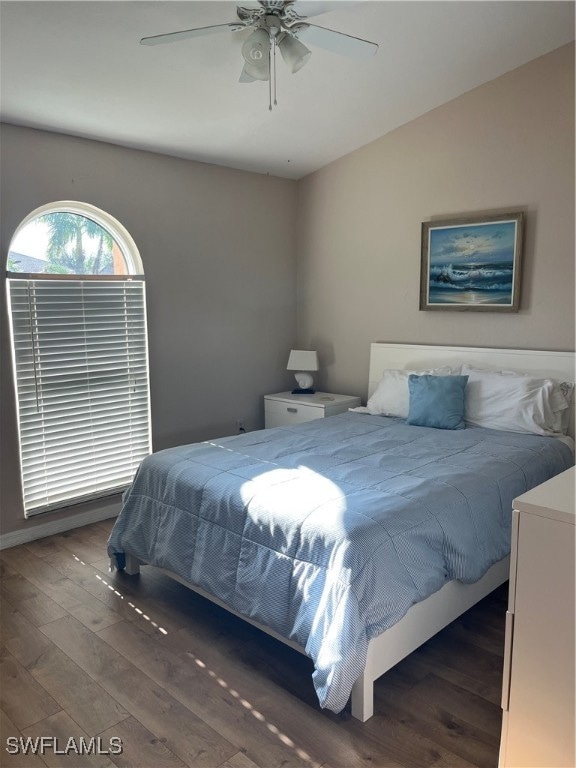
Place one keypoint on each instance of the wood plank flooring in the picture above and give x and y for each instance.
(85, 653)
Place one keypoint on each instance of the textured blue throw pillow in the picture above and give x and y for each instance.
(437, 401)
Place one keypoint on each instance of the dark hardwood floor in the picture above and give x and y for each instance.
(86, 653)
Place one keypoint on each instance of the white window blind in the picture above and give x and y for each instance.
(81, 365)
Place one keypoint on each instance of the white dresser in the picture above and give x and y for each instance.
(284, 408)
(538, 726)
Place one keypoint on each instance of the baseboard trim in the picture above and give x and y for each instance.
(25, 535)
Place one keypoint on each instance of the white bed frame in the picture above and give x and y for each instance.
(428, 617)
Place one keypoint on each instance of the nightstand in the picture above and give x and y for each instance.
(284, 408)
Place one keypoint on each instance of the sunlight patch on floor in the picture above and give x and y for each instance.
(134, 607)
(256, 714)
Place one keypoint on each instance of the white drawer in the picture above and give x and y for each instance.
(279, 414)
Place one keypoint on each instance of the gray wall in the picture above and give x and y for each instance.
(507, 145)
(218, 247)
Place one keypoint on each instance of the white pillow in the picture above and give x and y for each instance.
(514, 402)
(392, 396)
(565, 390)
(559, 397)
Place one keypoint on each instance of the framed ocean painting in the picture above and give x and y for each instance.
(472, 263)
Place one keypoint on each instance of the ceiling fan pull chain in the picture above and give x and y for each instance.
(275, 101)
(270, 78)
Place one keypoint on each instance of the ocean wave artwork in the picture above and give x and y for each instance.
(472, 264)
(478, 283)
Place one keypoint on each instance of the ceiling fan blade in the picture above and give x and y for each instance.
(307, 8)
(185, 34)
(337, 42)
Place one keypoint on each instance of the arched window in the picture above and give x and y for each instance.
(78, 327)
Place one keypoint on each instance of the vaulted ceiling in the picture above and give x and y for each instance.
(77, 67)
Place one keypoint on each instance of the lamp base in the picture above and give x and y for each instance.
(305, 383)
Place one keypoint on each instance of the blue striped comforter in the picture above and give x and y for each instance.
(329, 531)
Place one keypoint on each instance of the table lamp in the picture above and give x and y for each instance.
(302, 361)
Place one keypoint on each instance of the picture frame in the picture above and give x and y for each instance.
(472, 263)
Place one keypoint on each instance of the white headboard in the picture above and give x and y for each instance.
(556, 365)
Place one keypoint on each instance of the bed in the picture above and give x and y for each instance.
(354, 538)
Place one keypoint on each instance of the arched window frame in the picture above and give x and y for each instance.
(120, 234)
(126, 329)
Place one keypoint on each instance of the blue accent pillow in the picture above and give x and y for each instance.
(437, 401)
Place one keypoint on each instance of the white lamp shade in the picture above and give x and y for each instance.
(302, 360)
(294, 53)
(252, 72)
(256, 53)
(246, 77)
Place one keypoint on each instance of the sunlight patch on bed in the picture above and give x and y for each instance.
(293, 490)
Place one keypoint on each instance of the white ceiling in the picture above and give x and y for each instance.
(77, 67)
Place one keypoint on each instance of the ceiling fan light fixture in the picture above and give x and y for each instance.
(256, 53)
(252, 72)
(294, 53)
(246, 77)
(256, 48)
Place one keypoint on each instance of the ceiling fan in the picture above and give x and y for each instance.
(276, 24)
